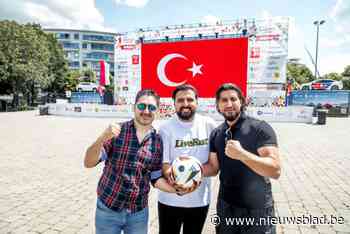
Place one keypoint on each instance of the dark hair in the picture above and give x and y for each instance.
(185, 87)
(230, 86)
(147, 92)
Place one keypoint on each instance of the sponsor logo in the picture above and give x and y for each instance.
(191, 143)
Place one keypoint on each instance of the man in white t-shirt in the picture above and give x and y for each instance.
(185, 134)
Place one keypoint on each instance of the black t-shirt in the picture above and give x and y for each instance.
(240, 185)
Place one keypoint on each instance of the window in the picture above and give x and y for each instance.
(91, 37)
(84, 45)
(70, 45)
(74, 64)
(95, 46)
(76, 36)
(63, 35)
(98, 55)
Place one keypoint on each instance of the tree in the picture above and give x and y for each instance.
(299, 74)
(346, 83)
(89, 75)
(333, 76)
(346, 72)
(24, 58)
(29, 59)
(58, 66)
(71, 79)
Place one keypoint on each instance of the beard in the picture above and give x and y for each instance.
(185, 115)
(231, 116)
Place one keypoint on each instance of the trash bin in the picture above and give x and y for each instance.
(43, 110)
(321, 116)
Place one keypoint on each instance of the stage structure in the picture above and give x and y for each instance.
(250, 52)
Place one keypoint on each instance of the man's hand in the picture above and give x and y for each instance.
(113, 130)
(182, 191)
(168, 174)
(234, 150)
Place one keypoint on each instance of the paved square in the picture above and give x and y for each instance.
(44, 187)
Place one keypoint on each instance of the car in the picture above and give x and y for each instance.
(322, 84)
(87, 86)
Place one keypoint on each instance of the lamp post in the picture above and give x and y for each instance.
(317, 23)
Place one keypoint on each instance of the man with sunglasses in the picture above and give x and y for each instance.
(185, 134)
(132, 152)
(245, 151)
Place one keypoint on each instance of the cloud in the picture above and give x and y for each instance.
(333, 63)
(341, 10)
(210, 19)
(340, 14)
(73, 14)
(132, 3)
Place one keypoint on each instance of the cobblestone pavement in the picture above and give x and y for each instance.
(44, 187)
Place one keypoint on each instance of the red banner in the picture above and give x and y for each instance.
(104, 73)
(205, 64)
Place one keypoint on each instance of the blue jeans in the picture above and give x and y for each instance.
(108, 221)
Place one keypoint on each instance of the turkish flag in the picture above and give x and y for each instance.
(205, 64)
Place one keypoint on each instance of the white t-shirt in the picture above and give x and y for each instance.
(177, 139)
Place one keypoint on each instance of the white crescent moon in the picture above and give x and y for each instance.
(161, 70)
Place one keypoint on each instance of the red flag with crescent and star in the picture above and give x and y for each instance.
(205, 64)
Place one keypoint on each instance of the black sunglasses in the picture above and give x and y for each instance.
(143, 106)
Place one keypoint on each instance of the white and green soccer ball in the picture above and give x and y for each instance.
(186, 170)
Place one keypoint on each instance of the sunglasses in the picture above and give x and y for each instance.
(228, 135)
(143, 106)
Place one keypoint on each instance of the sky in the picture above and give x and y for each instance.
(129, 15)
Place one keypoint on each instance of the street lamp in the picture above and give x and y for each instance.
(317, 23)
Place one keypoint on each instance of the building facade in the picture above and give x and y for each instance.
(84, 49)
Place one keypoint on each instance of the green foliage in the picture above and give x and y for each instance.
(58, 65)
(333, 76)
(346, 83)
(89, 75)
(299, 74)
(71, 80)
(346, 72)
(29, 58)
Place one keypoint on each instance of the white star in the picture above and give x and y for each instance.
(196, 69)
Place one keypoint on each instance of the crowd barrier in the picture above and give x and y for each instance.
(297, 114)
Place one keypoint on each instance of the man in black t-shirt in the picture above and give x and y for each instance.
(245, 151)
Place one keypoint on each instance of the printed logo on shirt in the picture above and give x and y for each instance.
(191, 143)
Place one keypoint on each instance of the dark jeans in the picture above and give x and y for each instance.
(171, 218)
(235, 220)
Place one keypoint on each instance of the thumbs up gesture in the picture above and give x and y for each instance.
(113, 130)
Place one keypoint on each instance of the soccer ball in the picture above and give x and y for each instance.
(186, 171)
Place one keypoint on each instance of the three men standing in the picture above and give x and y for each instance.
(243, 149)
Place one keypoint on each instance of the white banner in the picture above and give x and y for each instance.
(90, 110)
(297, 114)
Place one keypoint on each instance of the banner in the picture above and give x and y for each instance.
(90, 110)
(104, 73)
(127, 70)
(297, 114)
(336, 102)
(205, 64)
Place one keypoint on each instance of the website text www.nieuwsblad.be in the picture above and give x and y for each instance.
(293, 220)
